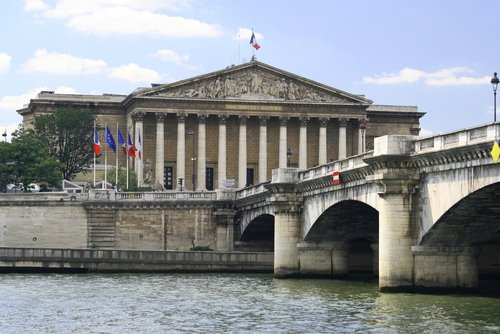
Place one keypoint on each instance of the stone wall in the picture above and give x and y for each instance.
(55, 220)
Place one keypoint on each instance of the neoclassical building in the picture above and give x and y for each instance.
(232, 127)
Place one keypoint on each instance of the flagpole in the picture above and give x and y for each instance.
(128, 153)
(116, 171)
(104, 186)
(94, 153)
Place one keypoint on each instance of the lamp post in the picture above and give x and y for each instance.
(289, 155)
(4, 135)
(193, 159)
(494, 82)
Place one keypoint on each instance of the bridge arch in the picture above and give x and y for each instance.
(350, 230)
(258, 234)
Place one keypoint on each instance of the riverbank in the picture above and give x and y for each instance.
(97, 260)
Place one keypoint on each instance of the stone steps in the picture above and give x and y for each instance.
(101, 229)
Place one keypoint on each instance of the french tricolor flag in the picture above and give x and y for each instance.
(97, 144)
(253, 42)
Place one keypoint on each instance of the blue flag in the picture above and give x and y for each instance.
(110, 140)
(121, 141)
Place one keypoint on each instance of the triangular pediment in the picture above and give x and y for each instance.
(253, 81)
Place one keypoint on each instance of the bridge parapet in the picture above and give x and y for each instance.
(111, 195)
(464, 137)
(351, 163)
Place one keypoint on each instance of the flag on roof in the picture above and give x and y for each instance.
(110, 140)
(253, 42)
(97, 144)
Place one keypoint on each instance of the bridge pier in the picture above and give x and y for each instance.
(323, 259)
(224, 220)
(445, 268)
(396, 181)
(287, 221)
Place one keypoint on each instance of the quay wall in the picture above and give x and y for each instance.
(92, 260)
(135, 221)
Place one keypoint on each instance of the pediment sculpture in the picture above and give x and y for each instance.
(254, 85)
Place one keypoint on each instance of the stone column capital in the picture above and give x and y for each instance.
(284, 120)
(202, 118)
(323, 121)
(304, 120)
(263, 120)
(181, 118)
(343, 122)
(223, 118)
(243, 119)
(138, 115)
(160, 116)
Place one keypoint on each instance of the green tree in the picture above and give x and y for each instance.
(68, 136)
(122, 179)
(26, 160)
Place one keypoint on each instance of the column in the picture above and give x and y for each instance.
(323, 122)
(139, 130)
(342, 138)
(303, 143)
(201, 182)
(242, 153)
(221, 164)
(263, 149)
(181, 150)
(160, 148)
(361, 136)
(283, 142)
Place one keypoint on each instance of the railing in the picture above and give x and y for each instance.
(464, 137)
(253, 190)
(339, 165)
(151, 196)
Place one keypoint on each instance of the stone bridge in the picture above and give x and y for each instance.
(420, 213)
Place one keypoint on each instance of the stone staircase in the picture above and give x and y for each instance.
(101, 228)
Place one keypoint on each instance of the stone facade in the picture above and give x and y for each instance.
(237, 124)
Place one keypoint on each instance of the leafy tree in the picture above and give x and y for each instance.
(26, 160)
(122, 178)
(68, 136)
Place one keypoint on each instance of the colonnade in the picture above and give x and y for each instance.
(242, 146)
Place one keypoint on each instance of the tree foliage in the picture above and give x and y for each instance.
(26, 160)
(68, 135)
(122, 179)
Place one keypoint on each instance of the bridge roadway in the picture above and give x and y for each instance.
(422, 213)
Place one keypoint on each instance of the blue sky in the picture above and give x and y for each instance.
(438, 55)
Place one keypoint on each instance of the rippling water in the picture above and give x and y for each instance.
(228, 303)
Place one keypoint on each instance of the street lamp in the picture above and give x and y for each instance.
(193, 159)
(289, 155)
(494, 82)
(4, 135)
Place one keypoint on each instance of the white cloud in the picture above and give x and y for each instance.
(15, 102)
(69, 8)
(4, 62)
(61, 63)
(170, 56)
(35, 5)
(244, 34)
(130, 17)
(446, 77)
(135, 73)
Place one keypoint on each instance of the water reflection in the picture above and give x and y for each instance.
(229, 303)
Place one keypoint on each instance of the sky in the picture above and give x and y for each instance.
(438, 55)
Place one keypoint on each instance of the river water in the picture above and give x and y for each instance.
(229, 303)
